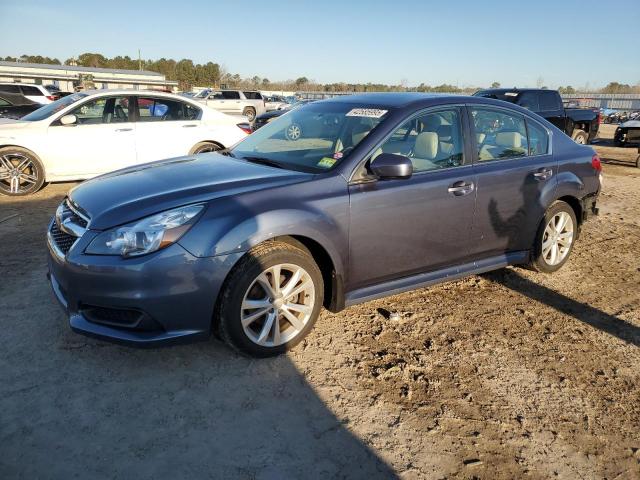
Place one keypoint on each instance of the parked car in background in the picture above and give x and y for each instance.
(581, 124)
(237, 102)
(16, 106)
(262, 120)
(35, 93)
(89, 133)
(275, 102)
(383, 193)
(627, 132)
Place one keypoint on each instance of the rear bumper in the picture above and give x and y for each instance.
(166, 297)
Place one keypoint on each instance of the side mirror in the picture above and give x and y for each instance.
(70, 119)
(390, 165)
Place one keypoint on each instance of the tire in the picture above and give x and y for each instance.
(21, 172)
(205, 147)
(245, 285)
(542, 258)
(581, 137)
(250, 113)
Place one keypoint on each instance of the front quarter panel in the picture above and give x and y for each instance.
(317, 209)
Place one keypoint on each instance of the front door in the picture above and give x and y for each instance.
(102, 139)
(515, 171)
(407, 226)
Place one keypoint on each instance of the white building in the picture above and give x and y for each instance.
(64, 76)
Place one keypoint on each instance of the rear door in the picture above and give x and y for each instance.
(166, 128)
(423, 223)
(515, 170)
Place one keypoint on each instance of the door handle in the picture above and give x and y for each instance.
(189, 126)
(543, 173)
(124, 129)
(461, 188)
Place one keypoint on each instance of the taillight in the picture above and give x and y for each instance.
(50, 97)
(599, 117)
(245, 127)
(596, 163)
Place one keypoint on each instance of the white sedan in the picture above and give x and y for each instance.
(91, 133)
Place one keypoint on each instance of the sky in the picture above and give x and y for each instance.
(464, 43)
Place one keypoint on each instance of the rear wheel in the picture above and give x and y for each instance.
(205, 147)
(21, 173)
(555, 238)
(271, 299)
(250, 113)
(580, 137)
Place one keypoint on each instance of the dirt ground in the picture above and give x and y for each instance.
(511, 374)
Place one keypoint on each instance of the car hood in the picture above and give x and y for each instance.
(136, 192)
(631, 124)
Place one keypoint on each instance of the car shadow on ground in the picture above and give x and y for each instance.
(73, 406)
(587, 314)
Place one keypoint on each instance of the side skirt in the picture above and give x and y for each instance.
(422, 280)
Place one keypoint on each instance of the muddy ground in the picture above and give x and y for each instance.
(511, 374)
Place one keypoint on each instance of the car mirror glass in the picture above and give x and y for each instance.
(68, 120)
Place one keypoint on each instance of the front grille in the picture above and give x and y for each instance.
(73, 216)
(61, 239)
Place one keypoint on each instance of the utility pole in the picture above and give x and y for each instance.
(139, 61)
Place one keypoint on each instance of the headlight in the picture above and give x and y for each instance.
(146, 235)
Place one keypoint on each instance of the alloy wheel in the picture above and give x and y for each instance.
(277, 305)
(557, 238)
(17, 173)
(294, 132)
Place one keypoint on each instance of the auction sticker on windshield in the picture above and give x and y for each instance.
(366, 112)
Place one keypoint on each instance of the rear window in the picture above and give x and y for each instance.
(32, 91)
(550, 101)
(253, 95)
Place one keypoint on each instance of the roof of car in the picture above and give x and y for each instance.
(514, 89)
(396, 99)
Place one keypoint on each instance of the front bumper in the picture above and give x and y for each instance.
(161, 298)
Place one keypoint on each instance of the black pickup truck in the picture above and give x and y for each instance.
(581, 124)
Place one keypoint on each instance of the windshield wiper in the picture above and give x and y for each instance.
(226, 152)
(263, 161)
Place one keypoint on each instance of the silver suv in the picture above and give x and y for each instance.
(238, 102)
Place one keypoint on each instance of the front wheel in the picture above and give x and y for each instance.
(21, 173)
(270, 300)
(555, 238)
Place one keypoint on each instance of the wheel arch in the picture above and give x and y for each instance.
(206, 141)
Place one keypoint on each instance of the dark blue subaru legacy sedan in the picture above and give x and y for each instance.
(335, 203)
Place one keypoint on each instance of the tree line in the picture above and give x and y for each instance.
(189, 74)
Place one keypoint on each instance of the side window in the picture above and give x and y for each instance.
(191, 112)
(31, 91)
(103, 110)
(229, 95)
(216, 96)
(529, 100)
(499, 135)
(10, 89)
(164, 109)
(431, 141)
(538, 138)
(550, 101)
(4, 103)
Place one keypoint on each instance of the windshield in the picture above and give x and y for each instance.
(202, 93)
(53, 107)
(313, 138)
